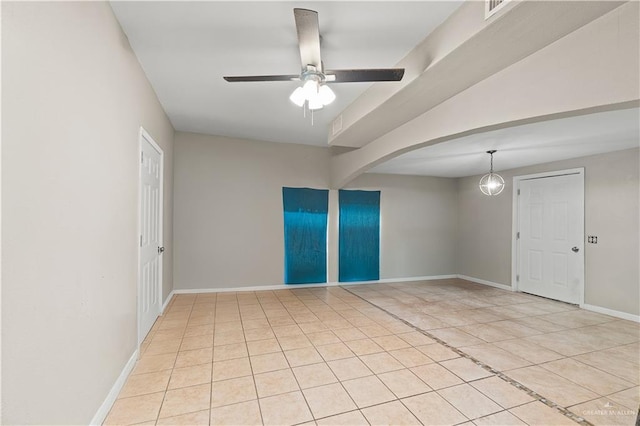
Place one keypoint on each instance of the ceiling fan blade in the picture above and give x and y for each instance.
(249, 78)
(364, 75)
(308, 37)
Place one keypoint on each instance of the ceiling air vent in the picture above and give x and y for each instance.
(493, 6)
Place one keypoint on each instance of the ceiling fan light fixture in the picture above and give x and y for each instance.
(315, 103)
(297, 97)
(310, 89)
(314, 94)
(326, 95)
(491, 183)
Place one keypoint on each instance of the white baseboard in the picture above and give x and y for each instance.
(295, 286)
(611, 312)
(104, 409)
(485, 282)
(396, 280)
(166, 302)
(400, 280)
(250, 288)
(593, 308)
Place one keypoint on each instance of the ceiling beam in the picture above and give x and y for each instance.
(464, 50)
(593, 69)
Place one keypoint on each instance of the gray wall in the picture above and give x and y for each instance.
(229, 224)
(229, 227)
(73, 98)
(228, 219)
(418, 229)
(611, 212)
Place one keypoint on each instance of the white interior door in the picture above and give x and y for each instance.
(150, 224)
(551, 237)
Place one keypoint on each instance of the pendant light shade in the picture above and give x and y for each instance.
(491, 183)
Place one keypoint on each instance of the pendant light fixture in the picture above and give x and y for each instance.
(491, 183)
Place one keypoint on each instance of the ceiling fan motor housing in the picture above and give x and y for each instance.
(312, 73)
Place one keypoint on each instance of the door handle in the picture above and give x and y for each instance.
(160, 250)
(575, 249)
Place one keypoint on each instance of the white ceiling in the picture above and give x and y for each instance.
(522, 146)
(186, 48)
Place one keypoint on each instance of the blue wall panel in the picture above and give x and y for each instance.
(359, 239)
(305, 235)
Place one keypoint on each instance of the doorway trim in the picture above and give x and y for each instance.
(144, 135)
(515, 220)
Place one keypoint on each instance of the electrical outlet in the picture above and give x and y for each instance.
(592, 239)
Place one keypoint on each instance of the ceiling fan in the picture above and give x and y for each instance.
(315, 94)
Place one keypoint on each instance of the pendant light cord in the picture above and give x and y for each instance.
(491, 154)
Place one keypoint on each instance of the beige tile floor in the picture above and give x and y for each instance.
(434, 353)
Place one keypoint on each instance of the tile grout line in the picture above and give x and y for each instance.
(314, 419)
(461, 353)
(339, 382)
(250, 363)
(538, 316)
(253, 376)
(164, 395)
(373, 374)
(314, 312)
(213, 335)
(540, 334)
(310, 307)
(567, 357)
(503, 376)
(175, 361)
